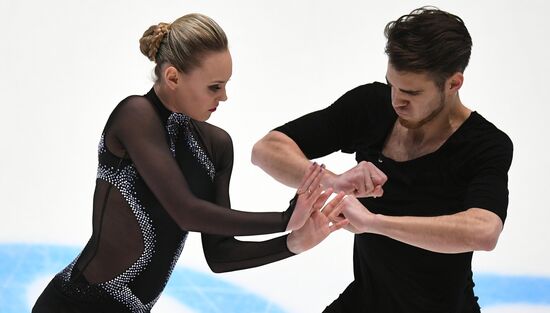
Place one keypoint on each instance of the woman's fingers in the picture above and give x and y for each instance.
(311, 184)
(315, 189)
(308, 178)
(315, 192)
(311, 179)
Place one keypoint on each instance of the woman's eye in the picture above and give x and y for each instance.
(215, 87)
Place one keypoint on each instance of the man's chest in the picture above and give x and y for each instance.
(402, 148)
(423, 184)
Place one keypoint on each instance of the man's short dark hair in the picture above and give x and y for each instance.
(429, 40)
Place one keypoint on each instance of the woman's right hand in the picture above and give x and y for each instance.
(306, 197)
(317, 227)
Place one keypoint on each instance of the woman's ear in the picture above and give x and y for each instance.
(171, 77)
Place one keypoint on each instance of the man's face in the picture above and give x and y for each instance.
(415, 97)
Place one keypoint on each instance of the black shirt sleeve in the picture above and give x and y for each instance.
(342, 125)
(137, 128)
(488, 187)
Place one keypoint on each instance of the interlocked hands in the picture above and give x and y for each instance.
(313, 219)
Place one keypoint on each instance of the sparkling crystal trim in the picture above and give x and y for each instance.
(117, 287)
(178, 123)
(101, 147)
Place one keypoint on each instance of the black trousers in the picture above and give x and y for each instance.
(349, 301)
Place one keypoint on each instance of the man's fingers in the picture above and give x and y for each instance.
(378, 177)
(359, 188)
(378, 191)
(331, 207)
(367, 179)
(338, 225)
(383, 177)
(337, 218)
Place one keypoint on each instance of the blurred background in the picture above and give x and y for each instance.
(66, 64)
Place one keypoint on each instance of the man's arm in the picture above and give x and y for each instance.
(470, 230)
(280, 157)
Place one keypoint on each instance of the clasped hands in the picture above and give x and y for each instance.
(314, 219)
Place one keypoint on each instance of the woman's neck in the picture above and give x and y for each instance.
(165, 98)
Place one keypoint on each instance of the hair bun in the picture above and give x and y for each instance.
(150, 41)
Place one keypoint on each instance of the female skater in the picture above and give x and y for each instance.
(163, 172)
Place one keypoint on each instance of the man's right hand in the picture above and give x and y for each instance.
(363, 180)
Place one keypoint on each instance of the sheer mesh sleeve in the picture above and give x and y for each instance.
(225, 253)
(136, 130)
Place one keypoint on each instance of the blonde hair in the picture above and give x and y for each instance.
(183, 42)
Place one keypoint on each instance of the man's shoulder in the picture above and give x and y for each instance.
(370, 99)
(484, 137)
(370, 89)
(484, 129)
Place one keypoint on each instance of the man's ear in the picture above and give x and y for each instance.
(455, 82)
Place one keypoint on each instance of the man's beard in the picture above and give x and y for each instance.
(415, 125)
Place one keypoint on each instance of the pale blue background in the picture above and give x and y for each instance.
(65, 64)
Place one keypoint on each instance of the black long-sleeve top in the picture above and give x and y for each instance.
(161, 175)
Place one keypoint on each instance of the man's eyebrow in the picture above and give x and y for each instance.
(410, 92)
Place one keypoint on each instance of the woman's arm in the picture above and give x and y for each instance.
(226, 253)
(138, 130)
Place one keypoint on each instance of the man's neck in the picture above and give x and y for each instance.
(406, 143)
(439, 129)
